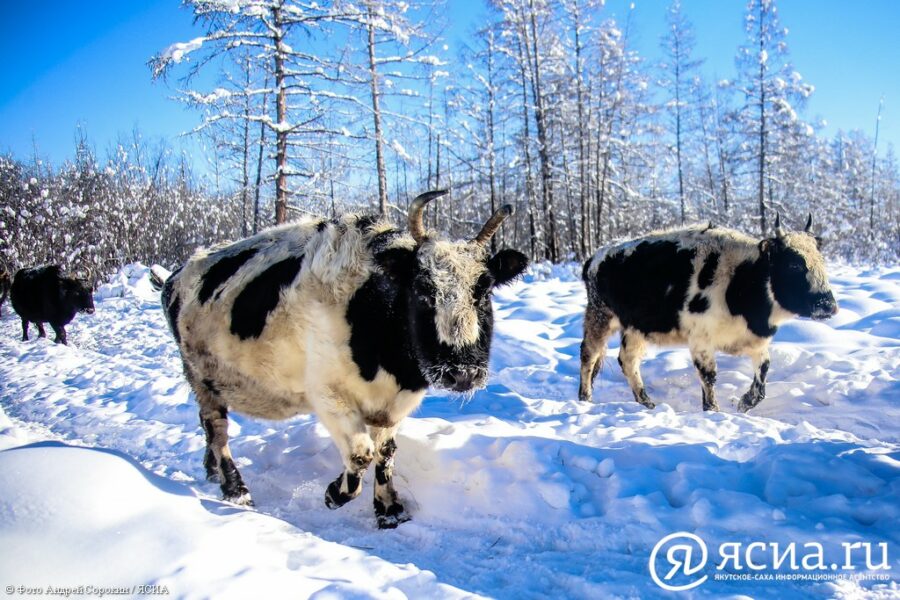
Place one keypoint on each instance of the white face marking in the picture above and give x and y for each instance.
(454, 268)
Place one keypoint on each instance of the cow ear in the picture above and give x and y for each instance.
(397, 263)
(764, 246)
(506, 265)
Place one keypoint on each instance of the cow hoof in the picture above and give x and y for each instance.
(711, 408)
(744, 407)
(390, 517)
(392, 521)
(334, 497)
(242, 499)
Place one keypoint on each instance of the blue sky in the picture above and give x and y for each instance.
(84, 62)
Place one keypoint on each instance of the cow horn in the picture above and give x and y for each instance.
(416, 227)
(808, 223)
(493, 224)
(779, 232)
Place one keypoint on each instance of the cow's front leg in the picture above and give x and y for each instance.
(41, 332)
(388, 510)
(757, 390)
(24, 330)
(630, 353)
(60, 332)
(350, 435)
(705, 363)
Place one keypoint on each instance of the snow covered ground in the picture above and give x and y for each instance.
(520, 492)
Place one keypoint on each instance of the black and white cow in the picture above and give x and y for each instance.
(43, 295)
(714, 290)
(350, 319)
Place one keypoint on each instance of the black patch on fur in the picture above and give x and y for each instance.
(388, 449)
(647, 288)
(379, 332)
(708, 272)
(221, 272)
(763, 370)
(747, 296)
(321, 225)
(334, 497)
(211, 386)
(381, 474)
(707, 375)
(366, 221)
(173, 312)
(260, 297)
(698, 304)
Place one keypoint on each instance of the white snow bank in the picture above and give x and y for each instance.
(95, 517)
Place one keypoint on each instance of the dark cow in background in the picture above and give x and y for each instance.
(5, 282)
(711, 289)
(43, 295)
(350, 319)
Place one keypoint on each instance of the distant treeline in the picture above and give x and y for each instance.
(92, 217)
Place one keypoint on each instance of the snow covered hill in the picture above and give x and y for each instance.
(519, 492)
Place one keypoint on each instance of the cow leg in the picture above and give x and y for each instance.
(757, 391)
(41, 332)
(350, 435)
(630, 354)
(24, 330)
(593, 348)
(214, 419)
(60, 332)
(705, 363)
(388, 510)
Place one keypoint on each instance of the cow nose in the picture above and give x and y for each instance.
(826, 307)
(89, 311)
(460, 380)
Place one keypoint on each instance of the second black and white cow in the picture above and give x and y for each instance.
(350, 319)
(714, 290)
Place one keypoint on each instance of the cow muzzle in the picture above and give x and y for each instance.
(825, 307)
(89, 311)
(462, 380)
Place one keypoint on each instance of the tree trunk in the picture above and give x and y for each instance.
(376, 114)
(281, 135)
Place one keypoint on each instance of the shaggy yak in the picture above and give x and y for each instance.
(350, 319)
(708, 288)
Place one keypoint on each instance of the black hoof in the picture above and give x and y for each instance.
(390, 517)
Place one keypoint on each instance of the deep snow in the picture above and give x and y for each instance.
(519, 492)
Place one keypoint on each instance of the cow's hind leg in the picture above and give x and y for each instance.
(705, 363)
(24, 330)
(350, 435)
(214, 418)
(597, 328)
(630, 354)
(757, 391)
(388, 510)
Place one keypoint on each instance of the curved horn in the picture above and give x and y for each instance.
(808, 223)
(493, 224)
(416, 227)
(779, 232)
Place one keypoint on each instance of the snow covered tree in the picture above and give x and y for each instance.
(772, 92)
